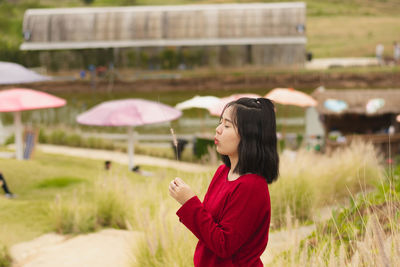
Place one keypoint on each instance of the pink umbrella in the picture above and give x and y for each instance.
(289, 96)
(19, 99)
(128, 112)
(217, 109)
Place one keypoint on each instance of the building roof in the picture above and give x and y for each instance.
(211, 7)
(160, 26)
(357, 100)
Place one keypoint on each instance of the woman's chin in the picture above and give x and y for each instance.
(221, 152)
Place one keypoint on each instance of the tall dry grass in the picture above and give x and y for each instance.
(374, 242)
(107, 204)
(309, 181)
(167, 242)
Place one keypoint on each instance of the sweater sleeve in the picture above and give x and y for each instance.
(240, 219)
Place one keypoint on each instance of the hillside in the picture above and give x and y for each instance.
(335, 28)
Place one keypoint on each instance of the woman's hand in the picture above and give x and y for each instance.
(180, 191)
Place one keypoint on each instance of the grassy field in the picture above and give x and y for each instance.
(70, 195)
(37, 183)
(351, 36)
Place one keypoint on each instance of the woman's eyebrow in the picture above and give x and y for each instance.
(225, 119)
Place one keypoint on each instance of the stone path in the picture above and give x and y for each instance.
(107, 248)
(283, 240)
(122, 158)
(115, 248)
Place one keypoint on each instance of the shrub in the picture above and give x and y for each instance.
(72, 217)
(169, 59)
(107, 205)
(58, 137)
(73, 140)
(5, 259)
(112, 203)
(62, 137)
(10, 140)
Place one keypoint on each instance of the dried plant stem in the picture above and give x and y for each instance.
(175, 142)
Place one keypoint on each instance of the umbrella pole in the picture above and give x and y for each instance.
(130, 147)
(284, 122)
(18, 135)
(201, 121)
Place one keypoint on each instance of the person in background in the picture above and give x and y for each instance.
(107, 165)
(379, 53)
(396, 52)
(3, 184)
(232, 223)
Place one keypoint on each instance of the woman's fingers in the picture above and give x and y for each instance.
(171, 188)
(180, 191)
(178, 181)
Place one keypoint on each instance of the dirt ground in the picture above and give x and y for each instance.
(303, 81)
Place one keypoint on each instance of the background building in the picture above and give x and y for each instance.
(368, 114)
(169, 36)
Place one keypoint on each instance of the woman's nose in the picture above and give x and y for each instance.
(218, 129)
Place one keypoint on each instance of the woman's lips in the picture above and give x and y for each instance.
(216, 141)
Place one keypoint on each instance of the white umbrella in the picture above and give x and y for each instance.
(12, 73)
(217, 109)
(198, 102)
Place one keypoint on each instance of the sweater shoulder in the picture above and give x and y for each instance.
(221, 169)
(253, 180)
(252, 183)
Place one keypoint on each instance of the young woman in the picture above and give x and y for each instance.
(232, 223)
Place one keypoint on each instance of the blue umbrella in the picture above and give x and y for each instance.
(374, 104)
(335, 105)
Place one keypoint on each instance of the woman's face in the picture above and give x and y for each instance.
(227, 138)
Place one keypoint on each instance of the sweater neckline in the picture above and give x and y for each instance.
(227, 173)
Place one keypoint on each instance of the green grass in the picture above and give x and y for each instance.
(59, 182)
(37, 182)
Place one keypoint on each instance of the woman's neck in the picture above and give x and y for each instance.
(232, 175)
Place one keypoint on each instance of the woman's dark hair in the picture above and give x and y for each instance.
(254, 119)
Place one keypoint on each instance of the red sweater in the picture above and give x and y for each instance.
(232, 223)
